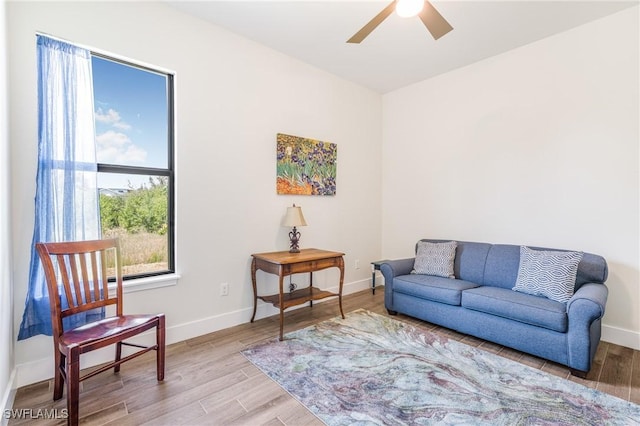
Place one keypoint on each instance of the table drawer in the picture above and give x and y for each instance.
(312, 265)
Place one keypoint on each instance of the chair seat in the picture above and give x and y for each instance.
(106, 328)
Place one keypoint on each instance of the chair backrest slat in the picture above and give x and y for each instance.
(66, 282)
(85, 277)
(71, 259)
(81, 272)
(97, 290)
(75, 274)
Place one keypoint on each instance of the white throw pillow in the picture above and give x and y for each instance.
(435, 259)
(551, 274)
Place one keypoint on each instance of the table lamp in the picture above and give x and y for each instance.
(294, 218)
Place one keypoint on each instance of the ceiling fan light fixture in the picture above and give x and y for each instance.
(430, 17)
(409, 8)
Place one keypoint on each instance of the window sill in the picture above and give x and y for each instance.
(148, 283)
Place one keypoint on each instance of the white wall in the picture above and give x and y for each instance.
(232, 97)
(536, 146)
(6, 290)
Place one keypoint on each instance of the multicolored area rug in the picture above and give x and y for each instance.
(371, 369)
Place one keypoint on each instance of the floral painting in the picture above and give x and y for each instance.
(305, 166)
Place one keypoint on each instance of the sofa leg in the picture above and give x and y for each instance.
(392, 312)
(579, 373)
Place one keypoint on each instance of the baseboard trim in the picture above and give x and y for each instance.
(8, 397)
(37, 371)
(621, 336)
(203, 326)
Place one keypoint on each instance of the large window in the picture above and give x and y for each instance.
(134, 141)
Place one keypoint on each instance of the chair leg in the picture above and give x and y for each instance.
(116, 369)
(58, 379)
(73, 388)
(161, 344)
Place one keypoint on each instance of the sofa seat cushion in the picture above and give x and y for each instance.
(522, 307)
(437, 289)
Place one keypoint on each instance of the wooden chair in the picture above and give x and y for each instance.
(77, 272)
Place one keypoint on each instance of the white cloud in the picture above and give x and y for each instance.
(122, 125)
(116, 148)
(111, 117)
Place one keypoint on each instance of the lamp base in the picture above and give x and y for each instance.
(294, 237)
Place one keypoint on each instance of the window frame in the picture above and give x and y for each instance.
(169, 172)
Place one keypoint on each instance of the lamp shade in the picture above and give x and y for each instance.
(294, 217)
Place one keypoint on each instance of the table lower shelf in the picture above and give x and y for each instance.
(297, 297)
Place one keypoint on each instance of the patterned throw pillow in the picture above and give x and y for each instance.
(435, 259)
(551, 274)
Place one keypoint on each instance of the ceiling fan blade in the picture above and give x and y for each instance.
(435, 23)
(372, 24)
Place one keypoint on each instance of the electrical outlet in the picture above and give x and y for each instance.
(357, 264)
(224, 289)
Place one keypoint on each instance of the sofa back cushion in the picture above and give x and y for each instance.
(501, 268)
(497, 264)
(503, 261)
(469, 261)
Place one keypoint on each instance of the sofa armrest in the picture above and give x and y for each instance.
(394, 268)
(585, 310)
(588, 303)
(391, 269)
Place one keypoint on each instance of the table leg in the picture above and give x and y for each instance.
(311, 288)
(280, 298)
(373, 279)
(341, 266)
(255, 289)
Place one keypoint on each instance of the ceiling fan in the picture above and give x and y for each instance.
(431, 18)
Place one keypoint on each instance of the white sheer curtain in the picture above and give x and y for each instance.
(67, 199)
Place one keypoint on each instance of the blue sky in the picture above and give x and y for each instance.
(131, 118)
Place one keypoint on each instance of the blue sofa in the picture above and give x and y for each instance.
(480, 302)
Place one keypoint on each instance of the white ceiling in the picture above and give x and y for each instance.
(400, 51)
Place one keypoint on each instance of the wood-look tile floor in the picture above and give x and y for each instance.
(208, 380)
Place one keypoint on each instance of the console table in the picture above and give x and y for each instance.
(283, 263)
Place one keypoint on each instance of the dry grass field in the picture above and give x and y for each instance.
(142, 251)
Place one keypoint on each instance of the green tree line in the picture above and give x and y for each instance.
(139, 210)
